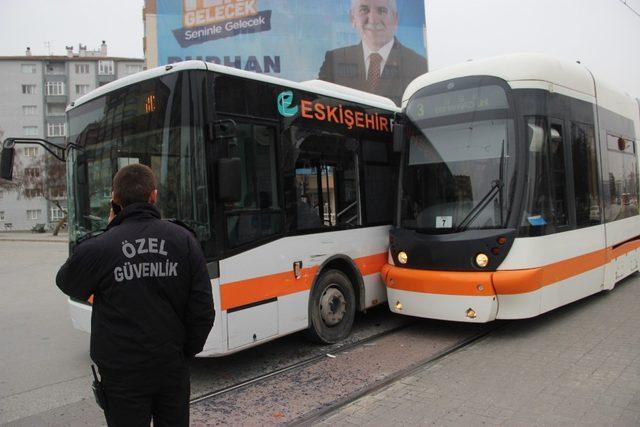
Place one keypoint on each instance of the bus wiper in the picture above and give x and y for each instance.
(496, 186)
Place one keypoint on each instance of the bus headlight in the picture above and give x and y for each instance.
(482, 260)
(402, 257)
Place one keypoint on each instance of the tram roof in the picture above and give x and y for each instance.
(536, 71)
(516, 68)
(315, 86)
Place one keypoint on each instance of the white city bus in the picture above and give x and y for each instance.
(289, 187)
(519, 190)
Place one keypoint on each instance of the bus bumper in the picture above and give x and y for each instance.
(80, 315)
(445, 295)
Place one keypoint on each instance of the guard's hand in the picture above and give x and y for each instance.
(112, 215)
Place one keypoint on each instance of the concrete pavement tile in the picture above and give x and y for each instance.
(599, 413)
(460, 418)
(629, 418)
(573, 407)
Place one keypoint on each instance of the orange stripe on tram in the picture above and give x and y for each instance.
(503, 282)
(244, 292)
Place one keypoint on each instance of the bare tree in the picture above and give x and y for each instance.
(41, 177)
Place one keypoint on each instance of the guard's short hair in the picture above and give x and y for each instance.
(133, 184)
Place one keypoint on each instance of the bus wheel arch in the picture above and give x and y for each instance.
(334, 299)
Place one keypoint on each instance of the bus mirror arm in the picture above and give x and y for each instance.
(8, 153)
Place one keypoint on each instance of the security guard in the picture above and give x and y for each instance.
(152, 304)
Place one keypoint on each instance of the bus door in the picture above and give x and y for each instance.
(249, 223)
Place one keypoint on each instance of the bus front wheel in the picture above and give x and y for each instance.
(332, 307)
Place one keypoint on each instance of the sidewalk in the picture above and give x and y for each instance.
(578, 365)
(27, 236)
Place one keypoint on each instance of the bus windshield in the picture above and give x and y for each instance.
(458, 166)
(154, 122)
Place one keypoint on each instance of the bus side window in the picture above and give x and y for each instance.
(326, 182)
(257, 215)
(380, 182)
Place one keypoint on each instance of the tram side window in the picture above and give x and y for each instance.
(585, 175)
(257, 215)
(622, 182)
(546, 205)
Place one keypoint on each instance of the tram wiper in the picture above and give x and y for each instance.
(496, 187)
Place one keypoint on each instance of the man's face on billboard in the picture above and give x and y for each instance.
(375, 21)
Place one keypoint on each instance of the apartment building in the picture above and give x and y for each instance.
(34, 93)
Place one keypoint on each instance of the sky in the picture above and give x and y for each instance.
(603, 34)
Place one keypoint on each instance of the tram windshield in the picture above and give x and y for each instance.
(458, 165)
(154, 122)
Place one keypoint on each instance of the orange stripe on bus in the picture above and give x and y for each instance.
(371, 264)
(502, 282)
(245, 292)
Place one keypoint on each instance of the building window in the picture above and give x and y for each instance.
(105, 68)
(133, 68)
(56, 129)
(82, 68)
(55, 109)
(1, 195)
(31, 151)
(29, 110)
(56, 69)
(32, 192)
(54, 88)
(28, 68)
(58, 192)
(28, 89)
(82, 89)
(56, 214)
(33, 214)
(1, 215)
(30, 130)
(32, 172)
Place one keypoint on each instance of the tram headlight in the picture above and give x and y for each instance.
(482, 260)
(403, 257)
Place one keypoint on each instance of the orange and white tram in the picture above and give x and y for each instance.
(518, 190)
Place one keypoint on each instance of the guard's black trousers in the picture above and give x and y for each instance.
(134, 398)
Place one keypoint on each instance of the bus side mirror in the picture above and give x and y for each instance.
(229, 180)
(398, 137)
(6, 164)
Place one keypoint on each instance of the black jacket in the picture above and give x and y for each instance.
(152, 301)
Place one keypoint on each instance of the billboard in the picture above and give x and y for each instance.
(373, 45)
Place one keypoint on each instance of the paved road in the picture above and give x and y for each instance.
(578, 365)
(43, 360)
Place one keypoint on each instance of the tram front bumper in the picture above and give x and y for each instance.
(445, 295)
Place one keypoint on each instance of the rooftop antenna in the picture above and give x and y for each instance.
(48, 46)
